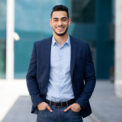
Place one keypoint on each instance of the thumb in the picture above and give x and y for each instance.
(48, 107)
(69, 107)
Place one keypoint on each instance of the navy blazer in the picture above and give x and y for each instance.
(81, 68)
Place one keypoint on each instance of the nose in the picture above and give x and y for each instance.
(59, 22)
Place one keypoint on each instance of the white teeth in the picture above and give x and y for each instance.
(59, 28)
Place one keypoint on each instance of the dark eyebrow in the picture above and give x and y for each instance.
(55, 18)
(64, 17)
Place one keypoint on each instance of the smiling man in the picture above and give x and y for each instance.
(61, 75)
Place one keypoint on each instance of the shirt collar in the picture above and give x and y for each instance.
(54, 42)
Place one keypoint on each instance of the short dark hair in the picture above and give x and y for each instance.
(60, 8)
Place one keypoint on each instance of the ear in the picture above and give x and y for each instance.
(50, 21)
(69, 21)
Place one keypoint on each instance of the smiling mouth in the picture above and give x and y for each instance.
(60, 28)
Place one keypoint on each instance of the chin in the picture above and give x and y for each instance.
(60, 34)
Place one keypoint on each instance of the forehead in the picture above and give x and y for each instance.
(59, 14)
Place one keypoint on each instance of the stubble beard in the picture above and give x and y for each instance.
(61, 34)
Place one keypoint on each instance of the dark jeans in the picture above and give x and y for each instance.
(58, 115)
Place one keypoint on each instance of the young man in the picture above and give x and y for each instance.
(61, 76)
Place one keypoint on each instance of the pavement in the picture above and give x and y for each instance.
(15, 103)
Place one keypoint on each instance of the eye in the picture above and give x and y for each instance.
(55, 19)
(64, 19)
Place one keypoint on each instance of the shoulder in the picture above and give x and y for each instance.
(79, 42)
(43, 42)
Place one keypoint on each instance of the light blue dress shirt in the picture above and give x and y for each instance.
(60, 86)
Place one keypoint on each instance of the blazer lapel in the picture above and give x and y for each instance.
(73, 55)
(47, 53)
(47, 49)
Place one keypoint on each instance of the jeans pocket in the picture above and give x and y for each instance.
(74, 111)
(42, 110)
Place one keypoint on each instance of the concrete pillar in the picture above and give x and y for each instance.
(118, 49)
(10, 40)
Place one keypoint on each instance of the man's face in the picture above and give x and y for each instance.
(60, 22)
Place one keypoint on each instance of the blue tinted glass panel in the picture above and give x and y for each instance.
(32, 24)
(2, 38)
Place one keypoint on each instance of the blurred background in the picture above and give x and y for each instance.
(92, 20)
(99, 22)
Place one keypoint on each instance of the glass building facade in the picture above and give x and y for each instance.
(2, 38)
(91, 21)
(32, 24)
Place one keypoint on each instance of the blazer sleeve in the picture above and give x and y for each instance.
(89, 78)
(31, 79)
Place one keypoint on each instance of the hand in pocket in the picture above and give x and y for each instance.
(43, 106)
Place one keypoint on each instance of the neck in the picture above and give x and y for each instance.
(60, 39)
